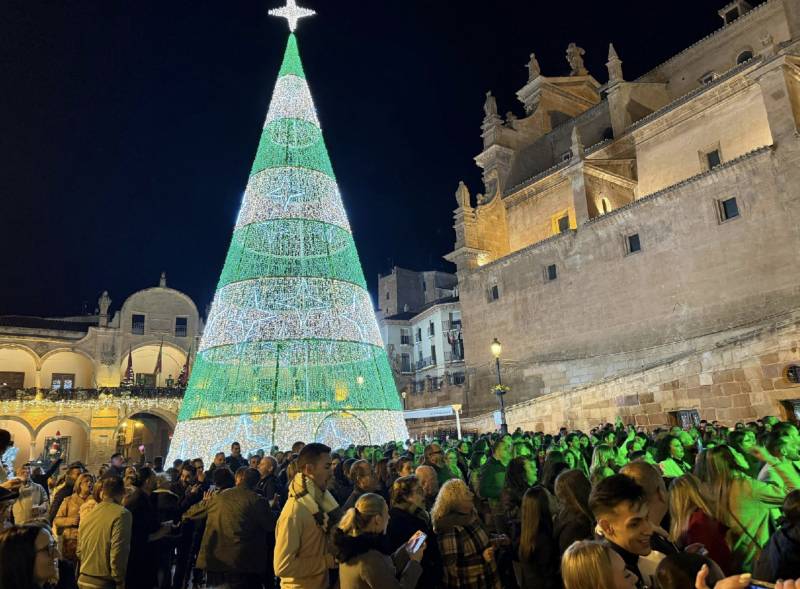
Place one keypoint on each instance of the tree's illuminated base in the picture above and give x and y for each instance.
(202, 438)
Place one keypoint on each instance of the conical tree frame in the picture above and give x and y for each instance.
(291, 350)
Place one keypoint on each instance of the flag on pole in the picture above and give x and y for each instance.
(128, 378)
(157, 370)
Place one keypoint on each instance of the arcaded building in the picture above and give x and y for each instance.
(64, 382)
(636, 245)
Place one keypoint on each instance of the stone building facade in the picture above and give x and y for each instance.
(424, 340)
(636, 246)
(62, 379)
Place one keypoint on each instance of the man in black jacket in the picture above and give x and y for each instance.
(235, 461)
(268, 482)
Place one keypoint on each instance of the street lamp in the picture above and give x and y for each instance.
(404, 395)
(497, 349)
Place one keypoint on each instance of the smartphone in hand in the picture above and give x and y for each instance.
(418, 542)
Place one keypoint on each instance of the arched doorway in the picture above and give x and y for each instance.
(22, 436)
(144, 433)
(63, 437)
(341, 429)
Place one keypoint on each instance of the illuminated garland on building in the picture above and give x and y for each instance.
(291, 350)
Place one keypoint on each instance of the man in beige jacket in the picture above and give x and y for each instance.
(104, 540)
(302, 558)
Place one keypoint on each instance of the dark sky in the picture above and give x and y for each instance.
(128, 127)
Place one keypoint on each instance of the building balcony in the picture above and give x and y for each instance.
(425, 363)
(137, 328)
(9, 394)
(454, 325)
(452, 357)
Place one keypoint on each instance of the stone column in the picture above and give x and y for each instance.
(775, 91)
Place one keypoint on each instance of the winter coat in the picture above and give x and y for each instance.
(403, 525)
(570, 527)
(238, 523)
(542, 570)
(366, 562)
(781, 557)
(462, 541)
(747, 514)
(68, 517)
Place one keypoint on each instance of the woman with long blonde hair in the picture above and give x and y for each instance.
(604, 462)
(68, 517)
(595, 565)
(467, 552)
(743, 503)
(693, 522)
(366, 561)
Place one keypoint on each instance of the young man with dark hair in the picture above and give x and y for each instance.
(116, 466)
(620, 507)
(301, 558)
(236, 461)
(573, 441)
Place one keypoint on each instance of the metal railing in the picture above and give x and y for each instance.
(453, 325)
(137, 328)
(32, 394)
(450, 357)
(425, 363)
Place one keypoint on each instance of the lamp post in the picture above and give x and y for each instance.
(497, 349)
(404, 395)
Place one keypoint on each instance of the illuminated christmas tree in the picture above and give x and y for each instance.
(291, 350)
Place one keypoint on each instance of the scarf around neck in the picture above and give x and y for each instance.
(319, 503)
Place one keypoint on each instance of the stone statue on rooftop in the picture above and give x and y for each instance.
(534, 71)
(575, 59)
(490, 106)
(104, 302)
(462, 196)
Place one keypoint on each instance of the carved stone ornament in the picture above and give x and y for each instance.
(534, 71)
(108, 356)
(575, 59)
(462, 196)
(490, 105)
(41, 348)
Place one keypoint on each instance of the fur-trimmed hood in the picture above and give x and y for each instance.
(351, 547)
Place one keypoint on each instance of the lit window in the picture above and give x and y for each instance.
(62, 382)
(728, 209)
(634, 245)
(552, 272)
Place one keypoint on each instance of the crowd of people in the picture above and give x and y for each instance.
(704, 507)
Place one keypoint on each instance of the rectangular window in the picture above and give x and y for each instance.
(137, 324)
(713, 159)
(433, 355)
(405, 363)
(431, 329)
(458, 378)
(563, 223)
(62, 382)
(405, 337)
(419, 334)
(685, 418)
(181, 326)
(12, 380)
(728, 209)
(551, 272)
(144, 379)
(494, 293)
(634, 245)
(387, 296)
(424, 286)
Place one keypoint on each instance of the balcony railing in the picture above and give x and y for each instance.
(137, 328)
(451, 357)
(453, 325)
(180, 331)
(9, 394)
(425, 363)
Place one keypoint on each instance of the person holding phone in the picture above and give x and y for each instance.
(365, 557)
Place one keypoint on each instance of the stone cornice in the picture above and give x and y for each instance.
(701, 98)
(737, 23)
(592, 170)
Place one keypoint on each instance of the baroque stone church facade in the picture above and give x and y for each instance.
(636, 246)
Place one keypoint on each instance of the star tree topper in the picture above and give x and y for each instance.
(292, 13)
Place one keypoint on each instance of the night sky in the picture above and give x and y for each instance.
(128, 128)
